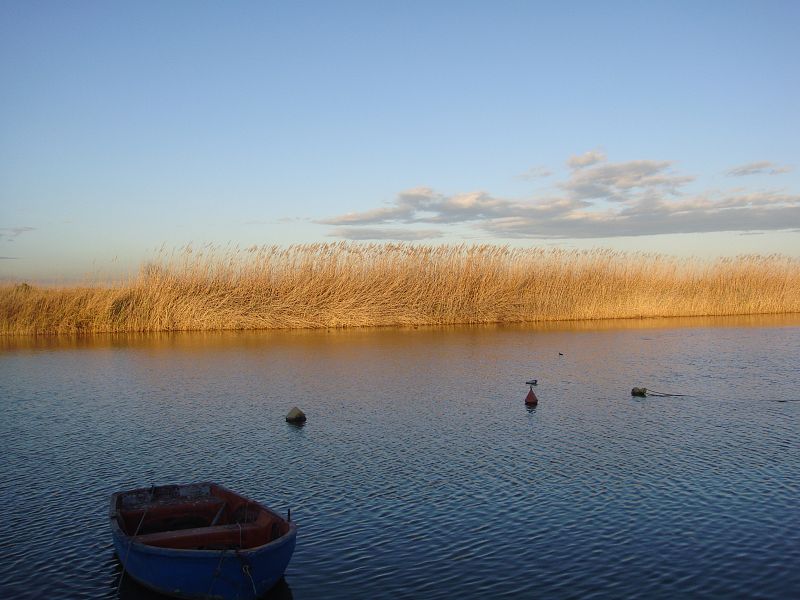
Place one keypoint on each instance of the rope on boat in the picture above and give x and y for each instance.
(246, 571)
(217, 571)
(242, 560)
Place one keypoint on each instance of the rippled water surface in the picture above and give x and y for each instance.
(420, 473)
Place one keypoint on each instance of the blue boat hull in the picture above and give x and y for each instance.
(206, 574)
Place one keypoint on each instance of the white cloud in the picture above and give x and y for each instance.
(586, 159)
(424, 205)
(762, 167)
(617, 181)
(752, 212)
(641, 197)
(405, 206)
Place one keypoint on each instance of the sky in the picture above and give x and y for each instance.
(668, 127)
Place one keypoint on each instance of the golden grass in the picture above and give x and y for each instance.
(361, 285)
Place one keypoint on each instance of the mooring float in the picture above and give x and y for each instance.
(531, 399)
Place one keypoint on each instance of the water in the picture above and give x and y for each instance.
(420, 473)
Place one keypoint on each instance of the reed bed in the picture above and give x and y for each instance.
(365, 285)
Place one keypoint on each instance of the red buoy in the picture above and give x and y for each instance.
(531, 399)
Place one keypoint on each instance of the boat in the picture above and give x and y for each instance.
(200, 541)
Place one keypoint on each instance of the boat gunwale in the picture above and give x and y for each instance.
(116, 530)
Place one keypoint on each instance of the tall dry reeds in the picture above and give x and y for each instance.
(359, 285)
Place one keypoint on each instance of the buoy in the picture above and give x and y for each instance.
(640, 392)
(531, 399)
(296, 416)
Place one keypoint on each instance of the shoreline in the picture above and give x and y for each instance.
(341, 286)
(761, 320)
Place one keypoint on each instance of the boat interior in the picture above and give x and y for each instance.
(195, 517)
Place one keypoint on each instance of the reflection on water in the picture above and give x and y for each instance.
(204, 339)
(420, 472)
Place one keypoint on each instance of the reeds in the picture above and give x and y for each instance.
(362, 285)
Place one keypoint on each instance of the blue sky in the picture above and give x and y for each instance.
(656, 126)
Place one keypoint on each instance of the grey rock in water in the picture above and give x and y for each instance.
(296, 416)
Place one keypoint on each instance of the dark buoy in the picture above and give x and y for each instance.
(296, 416)
(531, 399)
(640, 392)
